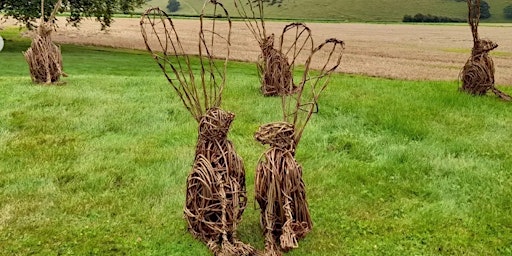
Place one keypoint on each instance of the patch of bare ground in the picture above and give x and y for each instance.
(400, 51)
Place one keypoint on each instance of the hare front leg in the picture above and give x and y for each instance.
(267, 194)
(280, 192)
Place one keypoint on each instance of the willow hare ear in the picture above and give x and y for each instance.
(162, 40)
(214, 44)
(164, 44)
(319, 66)
(252, 13)
(296, 43)
(474, 18)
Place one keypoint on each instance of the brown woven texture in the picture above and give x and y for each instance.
(276, 64)
(216, 191)
(280, 189)
(477, 75)
(216, 197)
(275, 72)
(44, 58)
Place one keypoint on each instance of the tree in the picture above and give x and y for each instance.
(484, 10)
(508, 11)
(27, 11)
(173, 6)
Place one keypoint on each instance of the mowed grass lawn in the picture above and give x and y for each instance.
(98, 166)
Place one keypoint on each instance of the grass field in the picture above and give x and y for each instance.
(352, 10)
(396, 51)
(98, 166)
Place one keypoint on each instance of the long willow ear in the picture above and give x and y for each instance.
(474, 17)
(296, 45)
(214, 43)
(55, 10)
(324, 60)
(251, 12)
(163, 43)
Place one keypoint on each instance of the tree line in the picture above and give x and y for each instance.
(485, 13)
(103, 10)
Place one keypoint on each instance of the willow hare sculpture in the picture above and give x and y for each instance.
(477, 75)
(280, 189)
(277, 59)
(216, 191)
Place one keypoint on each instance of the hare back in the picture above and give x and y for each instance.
(277, 77)
(222, 156)
(279, 186)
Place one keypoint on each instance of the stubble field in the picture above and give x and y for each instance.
(400, 51)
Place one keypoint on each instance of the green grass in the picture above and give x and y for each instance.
(353, 10)
(98, 166)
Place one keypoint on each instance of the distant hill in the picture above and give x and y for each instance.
(353, 10)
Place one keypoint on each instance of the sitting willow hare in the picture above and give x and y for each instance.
(277, 58)
(216, 192)
(280, 189)
(477, 75)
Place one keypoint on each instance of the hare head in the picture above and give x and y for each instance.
(278, 134)
(484, 46)
(268, 43)
(215, 124)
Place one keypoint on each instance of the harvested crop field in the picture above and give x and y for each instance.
(402, 51)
